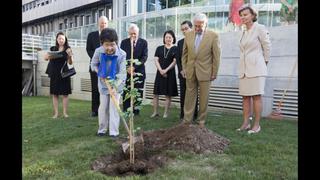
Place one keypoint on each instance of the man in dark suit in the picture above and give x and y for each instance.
(140, 52)
(186, 26)
(93, 42)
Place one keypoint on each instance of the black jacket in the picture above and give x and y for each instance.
(93, 42)
(140, 52)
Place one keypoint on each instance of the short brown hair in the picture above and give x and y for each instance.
(252, 11)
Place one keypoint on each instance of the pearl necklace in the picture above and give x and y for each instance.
(164, 50)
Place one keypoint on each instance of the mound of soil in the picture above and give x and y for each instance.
(150, 154)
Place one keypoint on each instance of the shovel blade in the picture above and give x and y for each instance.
(126, 145)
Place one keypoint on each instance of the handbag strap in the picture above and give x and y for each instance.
(61, 70)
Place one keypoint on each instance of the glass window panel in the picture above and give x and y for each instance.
(87, 19)
(265, 1)
(181, 18)
(170, 23)
(218, 21)
(263, 17)
(200, 2)
(163, 4)
(276, 18)
(124, 27)
(160, 27)
(173, 3)
(153, 5)
(185, 2)
(140, 6)
(140, 25)
(75, 21)
(151, 28)
(211, 20)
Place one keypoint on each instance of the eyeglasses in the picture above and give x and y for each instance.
(186, 28)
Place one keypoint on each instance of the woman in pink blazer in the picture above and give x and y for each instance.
(254, 56)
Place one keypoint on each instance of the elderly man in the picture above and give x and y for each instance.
(140, 52)
(200, 63)
(93, 42)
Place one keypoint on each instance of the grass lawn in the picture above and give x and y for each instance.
(64, 148)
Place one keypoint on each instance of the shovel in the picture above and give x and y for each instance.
(125, 145)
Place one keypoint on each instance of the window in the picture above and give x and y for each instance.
(153, 5)
(65, 23)
(110, 13)
(101, 12)
(140, 6)
(81, 20)
(47, 2)
(70, 25)
(125, 8)
(48, 26)
(184, 2)
(75, 21)
(51, 24)
(45, 28)
(87, 20)
(173, 3)
(23, 8)
(60, 26)
(32, 30)
(41, 29)
(94, 17)
(34, 4)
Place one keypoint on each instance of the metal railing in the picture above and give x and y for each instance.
(30, 45)
(33, 43)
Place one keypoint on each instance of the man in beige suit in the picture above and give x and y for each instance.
(200, 63)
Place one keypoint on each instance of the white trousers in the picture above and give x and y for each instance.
(108, 115)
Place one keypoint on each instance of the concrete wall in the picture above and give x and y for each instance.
(283, 57)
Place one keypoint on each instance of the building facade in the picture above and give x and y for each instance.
(79, 17)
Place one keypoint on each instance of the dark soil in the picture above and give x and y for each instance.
(150, 154)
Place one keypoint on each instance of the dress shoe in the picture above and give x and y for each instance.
(201, 124)
(165, 115)
(94, 114)
(254, 131)
(154, 115)
(245, 129)
(114, 136)
(101, 134)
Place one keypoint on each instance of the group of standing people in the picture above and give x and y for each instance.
(197, 57)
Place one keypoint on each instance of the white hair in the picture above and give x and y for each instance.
(200, 17)
(103, 18)
(134, 27)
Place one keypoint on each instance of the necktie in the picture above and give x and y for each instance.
(197, 41)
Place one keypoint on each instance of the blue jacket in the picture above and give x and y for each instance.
(120, 69)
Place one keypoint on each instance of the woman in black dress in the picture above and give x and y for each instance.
(165, 81)
(59, 85)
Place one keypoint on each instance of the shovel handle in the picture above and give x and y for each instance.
(113, 98)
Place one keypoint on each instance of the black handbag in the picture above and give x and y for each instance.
(68, 73)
